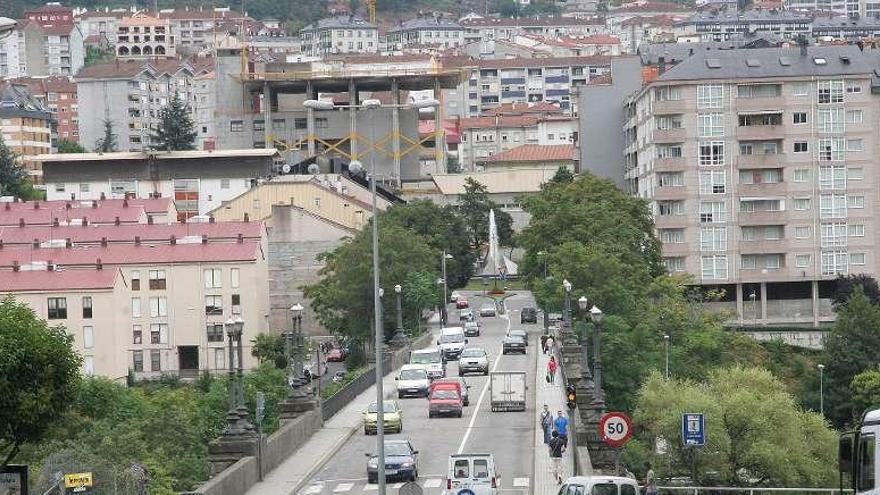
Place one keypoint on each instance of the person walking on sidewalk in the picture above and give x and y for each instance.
(548, 345)
(551, 370)
(546, 423)
(561, 427)
(650, 481)
(557, 447)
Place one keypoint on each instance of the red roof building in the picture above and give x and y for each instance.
(26, 237)
(534, 155)
(55, 280)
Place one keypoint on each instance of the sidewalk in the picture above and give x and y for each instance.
(554, 396)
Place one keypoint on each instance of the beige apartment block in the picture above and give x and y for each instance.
(758, 167)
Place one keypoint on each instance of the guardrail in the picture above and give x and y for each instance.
(713, 490)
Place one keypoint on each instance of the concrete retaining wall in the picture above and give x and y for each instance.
(234, 480)
(292, 434)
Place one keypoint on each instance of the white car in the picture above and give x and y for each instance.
(487, 309)
(413, 381)
(454, 296)
(607, 485)
(474, 473)
(473, 360)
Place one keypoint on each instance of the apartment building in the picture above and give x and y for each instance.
(143, 36)
(26, 125)
(429, 31)
(13, 61)
(339, 34)
(758, 167)
(57, 94)
(50, 48)
(573, 46)
(724, 25)
(531, 156)
(851, 29)
(506, 28)
(195, 27)
(483, 137)
(131, 93)
(101, 24)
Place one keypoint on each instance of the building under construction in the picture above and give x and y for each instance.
(261, 105)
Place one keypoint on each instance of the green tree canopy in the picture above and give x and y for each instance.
(845, 285)
(176, 129)
(13, 178)
(68, 146)
(107, 142)
(39, 374)
(474, 206)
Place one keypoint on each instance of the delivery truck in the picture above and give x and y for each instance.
(508, 390)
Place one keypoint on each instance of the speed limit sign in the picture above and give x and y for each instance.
(615, 428)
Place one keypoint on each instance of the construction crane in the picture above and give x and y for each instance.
(371, 9)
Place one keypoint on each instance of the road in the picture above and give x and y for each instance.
(508, 435)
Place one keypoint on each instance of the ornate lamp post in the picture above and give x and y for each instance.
(295, 377)
(586, 374)
(596, 317)
(566, 310)
(821, 389)
(237, 415)
(400, 338)
(442, 315)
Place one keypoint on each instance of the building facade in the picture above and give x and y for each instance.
(425, 31)
(757, 165)
(142, 36)
(58, 95)
(13, 62)
(483, 137)
(505, 28)
(51, 49)
(26, 125)
(339, 34)
(725, 25)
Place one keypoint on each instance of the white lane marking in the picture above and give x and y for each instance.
(523, 482)
(343, 487)
(470, 427)
(433, 483)
(312, 490)
(371, 487)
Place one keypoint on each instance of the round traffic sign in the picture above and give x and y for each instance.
(615, 428)
(465, 491)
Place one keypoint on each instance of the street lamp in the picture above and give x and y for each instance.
(753, 296)
(295, 377)
(566, 310)
(441, 316)
(666, 341)
(583, 303)
(446, 256)
(596, 316)
(237, 423)
(543, 256)
(400, 339)
(821, 389)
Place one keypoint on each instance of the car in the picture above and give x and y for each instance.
(513, 343)
(606, 485)
(471, 329)
(487, 309)
(520, 333)
(412, 381)
(458, 384)
(451, 342)
(474, 474)
(473, 360)
(528, 315)
(401, 461)
(454, 297)
(336, 355)
(466, 315)
(392, 417)
(432, 360)
(445, 401)
(461, 302)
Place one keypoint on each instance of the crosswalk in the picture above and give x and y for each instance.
(430, 486)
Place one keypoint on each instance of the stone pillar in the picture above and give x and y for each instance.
(395, 129)
(739, 304)
(815, 294)
(292, 408)
(237, 441)
(267, 115)
(764, 302)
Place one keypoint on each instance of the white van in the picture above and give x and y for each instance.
(451, 342)
(599, 485)
(472, 474)
(432, 360)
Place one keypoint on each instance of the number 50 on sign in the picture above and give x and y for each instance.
(615, 428)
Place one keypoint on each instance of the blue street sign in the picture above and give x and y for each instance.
(693, 429)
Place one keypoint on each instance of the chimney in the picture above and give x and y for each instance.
(173, 240)
(36, 243)
(1, 244)
(21, 222)
(116, 222)
(85, 222)
(98, 264)
(8, 206)
(103, 196)
(67, 206)
(240, 238)
(183, 220)
(103, 242)
(55, 222)
(15, 266)
(204, 239)
(125, 203)
(211, 219)
(68, 243)
(94, 204)
(247, 218)
(137, 240)
(50, 266)
(36, 205)
(149, 219)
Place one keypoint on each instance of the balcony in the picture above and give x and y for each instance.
(775, 189)
(513, 80)
(761, 218)
(670, 221)
(760, 132)
(669, 136)
(763, 246)
(670, 164)
(556, 79)
(669, 107)
(678, 249)
(762, 104)
(773, 160)
(662, 193)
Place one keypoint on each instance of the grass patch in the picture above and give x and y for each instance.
(331, 388)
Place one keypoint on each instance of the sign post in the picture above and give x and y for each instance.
(693, 429)
(615, 429)
(78, 482)
(14, 479)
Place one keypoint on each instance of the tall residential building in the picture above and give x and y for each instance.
(13, 61)
(58, 95)
(25, 124)
(339, 34)
(131, 93)
(144, 36)
(506, 28)
(758, 165)
(51, 49)
(724, 25)
(425, 32)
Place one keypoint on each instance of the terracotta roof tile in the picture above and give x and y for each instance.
(514, 63)
(649, 6)
(131, 254)
(126, 233)
(535, 153)
(51, 281)
(498, 121)
(531, 21)
(122, 69)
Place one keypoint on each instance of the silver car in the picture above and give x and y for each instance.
(487, 309)
(473, 360)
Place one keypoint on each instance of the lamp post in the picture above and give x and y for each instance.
(446, 256)
(566, 310)
(596, 317)
(753, 296)
(583, 303)
(295, 377)
(543, 256)
(666, 343)
(400, 339)
(237, 423)
(821, 389)
(230, 333)
(239, 331)
(440, 319)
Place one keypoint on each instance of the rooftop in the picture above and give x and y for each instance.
(522, 180)
(154, 155)
(523, 108)
(340, 22)
(734, 16)
(534, 153)
(526, 22)
(515, 63)
(133, 254)
(150, 205)
(126, 233)
(56, 281)
(650, 6)
(426, 22)
(128, 69)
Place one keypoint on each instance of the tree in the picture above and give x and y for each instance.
(563, 175)
(269, 348)
(13, 178)
(865, 388)
(106, 143)
(176, 130)
(844, 286)
(474, 206)
(39, 374)
(96, 55)
(68, 146)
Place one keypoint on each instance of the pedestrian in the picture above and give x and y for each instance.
(548, 345)
(546, 423)
(650, 481)
(551, 370)
(561, 426)
(557, 447)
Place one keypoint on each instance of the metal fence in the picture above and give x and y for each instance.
(716, 490)
(346, 394)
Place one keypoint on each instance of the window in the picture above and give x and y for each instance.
(137, 334)
(801, 204)
(856, 230)
(711, 153)
(832, 206)
(219, 359)
(749, 261)
(772, 261)
(713, 239)
(137, 361)
(710, 96)
(856, 258)
(758, 205)
(760, 176)
(667, 150)
(462, 469)
(672, 236)
(666, 208)
(854, 145)
(761, 119)
(224, 183)
(135, 307)
(831, 150)
(829, 120)
(155, 360)
(158, 307)
(157, 279)
(236, 126)
(855, 173)
(856, 202)
(669, 179)
(713, 212)
(802, 260)
(866, 456)
(213, 305)
(668, 122)
(87, 307)
(674, 264)
(89, 365)
(834, 235)
(215, 332)
(802, 175)
(835, 262)
(832, 177)
(235, 276)
(57, 308)
(136, 280)
(665, 93)
(762, 233)
(800, 89)
(802, 232)
(88, 337)
(84, 187)
(799, 118)
(158, 333)
(758, 90)
(713, 181)
(801, 147)
(853, 88)
(854, 116)
(710, 125)
(236, 304)
(714, 266)
(300, 123)
(213, 278)
(830, 92)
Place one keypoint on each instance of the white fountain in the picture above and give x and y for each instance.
(497, 265)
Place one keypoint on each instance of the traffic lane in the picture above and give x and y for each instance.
(435, 438)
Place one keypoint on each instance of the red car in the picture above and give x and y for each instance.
(445, 400)
(461, 303)
(336, 355)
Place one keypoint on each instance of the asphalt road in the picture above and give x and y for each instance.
(508, 435)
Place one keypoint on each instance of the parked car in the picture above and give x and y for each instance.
(336, 355)
(461, 302)
(487, 309)
(392, 417)
(412, 381)
(466, 315)
(401, 461)
(445, 401)
(454, 297)
(458, 384)
(473, 360)
(528, 315)
(474, 473)
(471, 329)
(513, 343)
(520, 333)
